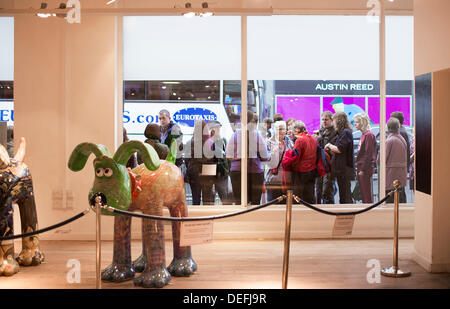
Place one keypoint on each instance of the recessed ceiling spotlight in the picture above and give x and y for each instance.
(188, 14)
(43, 7)
(206, 14)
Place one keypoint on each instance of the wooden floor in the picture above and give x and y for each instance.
(256, 264)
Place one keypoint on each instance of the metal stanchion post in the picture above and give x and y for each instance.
(394, 271)
(98, 282)
(287, 239)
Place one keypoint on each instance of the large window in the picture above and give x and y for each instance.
(299, 67)
(190, 68)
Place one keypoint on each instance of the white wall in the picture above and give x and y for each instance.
(65, 93)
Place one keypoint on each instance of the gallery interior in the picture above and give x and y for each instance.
(75, 75)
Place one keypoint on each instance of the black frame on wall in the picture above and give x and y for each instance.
(423, 90)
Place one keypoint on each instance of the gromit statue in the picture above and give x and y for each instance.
(149, 187)
(16, 186)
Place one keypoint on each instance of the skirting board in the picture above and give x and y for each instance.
(268, 223)
(429, 266)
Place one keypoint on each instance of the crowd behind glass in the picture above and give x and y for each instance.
(282, 155)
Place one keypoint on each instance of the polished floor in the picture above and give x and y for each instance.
(255, 264)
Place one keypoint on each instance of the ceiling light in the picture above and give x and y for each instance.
(110, 2)
(43, 15)
(188, 14)
(62, 6)
(43, 7)
(206, 14)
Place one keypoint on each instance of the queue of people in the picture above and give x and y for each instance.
(283, 155)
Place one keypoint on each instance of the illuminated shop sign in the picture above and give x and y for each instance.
(7, 112)
(342, 87)
(188, 116)
(137, 115)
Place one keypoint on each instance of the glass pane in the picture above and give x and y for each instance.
(190, 94)
(399, 100)
(310, 79)
(7, 83)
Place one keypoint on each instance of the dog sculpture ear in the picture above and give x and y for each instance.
(81, 153)
(4, 157)
(149, 154)
(172, 155)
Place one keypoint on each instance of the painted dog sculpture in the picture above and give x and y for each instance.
(149, 187)
(16, 186)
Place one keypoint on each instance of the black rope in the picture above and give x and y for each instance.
(49, 228)
(145, 216)
(349, 213)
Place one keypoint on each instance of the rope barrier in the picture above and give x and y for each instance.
(204, 218)
(145, 216)
(348, 213)
(49, 228)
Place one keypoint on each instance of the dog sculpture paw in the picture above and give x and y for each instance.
(9, 266)
(29, 257)
(157, 278)
(118, 273)
(182, 267)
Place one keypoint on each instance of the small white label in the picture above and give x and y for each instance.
(343, 225)
(196, 232)
(209, 170)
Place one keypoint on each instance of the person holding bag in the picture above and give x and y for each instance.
(219, 145)
(278, 144)
(257, 153)
(195, 159)
(302, 162)
(365, 157)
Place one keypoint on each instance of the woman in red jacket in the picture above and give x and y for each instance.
(303, 164)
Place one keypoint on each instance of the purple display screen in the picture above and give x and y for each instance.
(393, 104)
(307, 109)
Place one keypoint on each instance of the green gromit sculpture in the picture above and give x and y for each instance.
(149, 187)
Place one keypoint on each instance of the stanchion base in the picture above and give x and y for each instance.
(395, 272)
